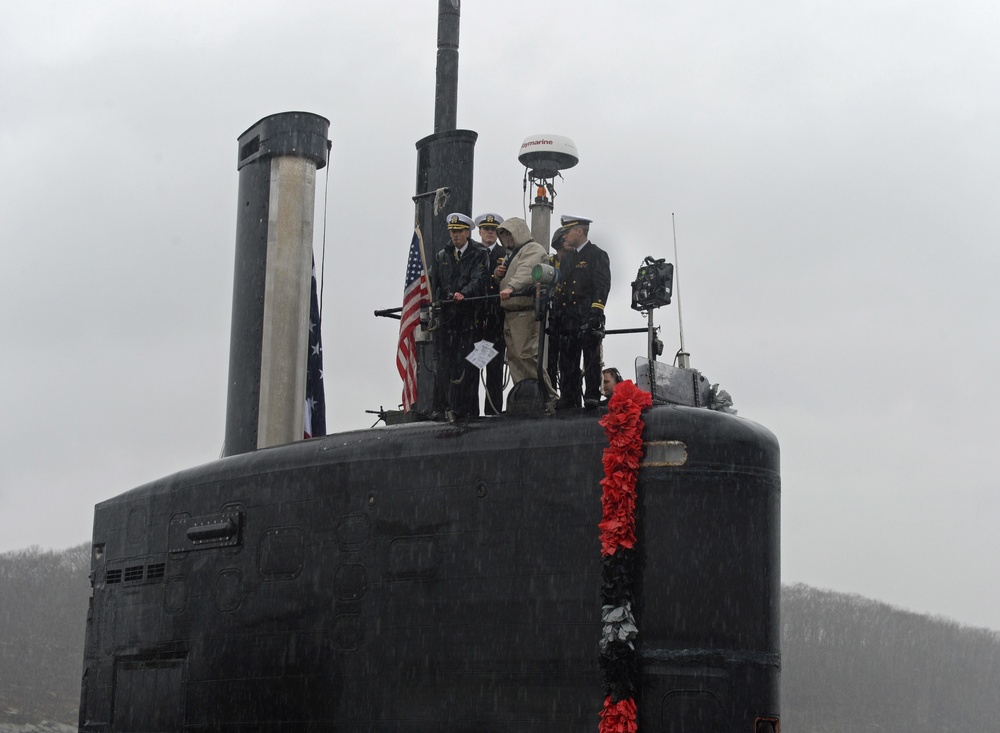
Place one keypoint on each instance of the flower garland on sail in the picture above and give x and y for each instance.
(623, 425)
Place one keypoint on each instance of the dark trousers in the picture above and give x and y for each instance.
(592, 368)
(456, 380)
(553, 349)
(494, 375)
(573, 347)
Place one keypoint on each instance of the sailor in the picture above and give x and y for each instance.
(517, 296)
(578, 306)
(459, 274)
(611, 378)
(492, 313)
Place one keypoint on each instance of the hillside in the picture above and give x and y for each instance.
(849, 664)
(854, 665)
(43, 617)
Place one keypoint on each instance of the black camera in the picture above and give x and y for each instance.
(653, 285)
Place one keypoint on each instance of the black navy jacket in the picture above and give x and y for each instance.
(492, 312)
(586, 282)
(467, 276)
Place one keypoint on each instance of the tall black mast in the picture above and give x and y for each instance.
(446, 88)
(444, 161)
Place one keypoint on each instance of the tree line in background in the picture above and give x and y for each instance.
(854, 665)
(849, 664)
(43, 619)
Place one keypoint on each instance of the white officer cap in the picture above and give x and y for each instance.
(459, 221)
(489, 220)
(574, 221)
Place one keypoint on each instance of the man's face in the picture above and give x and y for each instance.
(608, 385)
(506, 239)
(459, 237)
(573, 238)
(487, 235)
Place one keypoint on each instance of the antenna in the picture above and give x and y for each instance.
(543, 157)
(683, 358)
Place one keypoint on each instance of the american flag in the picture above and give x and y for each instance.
(414, 295)
(315, 415)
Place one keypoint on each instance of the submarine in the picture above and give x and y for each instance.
(614, 569)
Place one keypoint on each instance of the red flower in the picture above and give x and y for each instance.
(623, 425)
(618, 717)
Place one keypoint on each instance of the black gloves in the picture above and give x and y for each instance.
(597, 320)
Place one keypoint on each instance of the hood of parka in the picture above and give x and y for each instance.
(518, 229)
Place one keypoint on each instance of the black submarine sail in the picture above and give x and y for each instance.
(425, 576)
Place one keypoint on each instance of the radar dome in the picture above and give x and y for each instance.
(546, 155)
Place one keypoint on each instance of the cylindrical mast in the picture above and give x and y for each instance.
(541, 220)
(444, 161)
(446, 87)
(278, 159)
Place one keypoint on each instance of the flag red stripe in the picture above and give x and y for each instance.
(414, 295)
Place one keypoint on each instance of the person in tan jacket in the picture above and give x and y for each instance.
(517, 298)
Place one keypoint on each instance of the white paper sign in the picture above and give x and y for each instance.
(482, 354)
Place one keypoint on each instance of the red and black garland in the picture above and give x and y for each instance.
(623, 425)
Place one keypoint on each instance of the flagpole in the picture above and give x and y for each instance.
(423, 261)
(437, 193)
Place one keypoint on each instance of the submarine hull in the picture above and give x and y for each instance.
(428, 577)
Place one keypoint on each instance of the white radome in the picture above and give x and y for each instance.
(546, 155)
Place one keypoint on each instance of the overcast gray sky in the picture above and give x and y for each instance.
(834, 169)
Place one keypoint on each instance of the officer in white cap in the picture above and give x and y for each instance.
(578, 313)
(492, 313)
(459, 274)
